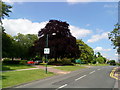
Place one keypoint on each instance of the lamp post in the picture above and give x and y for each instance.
(46, 54)
(47, 51)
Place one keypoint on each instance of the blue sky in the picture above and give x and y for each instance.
(90, 22)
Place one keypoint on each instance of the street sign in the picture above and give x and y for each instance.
(46, 50)
(78, 61)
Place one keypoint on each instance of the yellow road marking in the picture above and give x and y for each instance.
(112, 74)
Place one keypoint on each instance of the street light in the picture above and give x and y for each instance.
(47, 51)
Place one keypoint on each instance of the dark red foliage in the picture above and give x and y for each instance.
(61, 45)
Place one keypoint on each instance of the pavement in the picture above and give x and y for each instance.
(94, 78)
(51, 69)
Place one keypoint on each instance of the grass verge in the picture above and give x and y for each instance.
(99, 65)
(19, 77)
(70, 68)
(6, 67)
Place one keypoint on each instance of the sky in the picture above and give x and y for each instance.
(89, 21)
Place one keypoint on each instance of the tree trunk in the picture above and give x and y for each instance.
(55, 58)
(12, 58)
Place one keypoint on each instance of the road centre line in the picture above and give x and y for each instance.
(62, 86)
(80, 77)
(92, 72)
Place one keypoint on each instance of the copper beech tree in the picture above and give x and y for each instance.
(60, 41)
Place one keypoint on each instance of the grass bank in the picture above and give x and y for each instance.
(18, 77)
(6, 67)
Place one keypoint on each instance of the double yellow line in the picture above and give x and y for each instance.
(112, 74)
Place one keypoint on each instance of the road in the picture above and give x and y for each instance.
(95, 77)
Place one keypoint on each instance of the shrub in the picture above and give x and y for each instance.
(84, 62)
(6, 59)
(23, 62)
(111, 62)
(93, 62)
(64, 61)
(118, 64)
(10, 62)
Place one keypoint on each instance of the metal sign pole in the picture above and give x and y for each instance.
(46, 54)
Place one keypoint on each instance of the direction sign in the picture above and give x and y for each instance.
(46, 50)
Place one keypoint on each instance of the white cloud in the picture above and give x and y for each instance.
(8, 1)
(101, 49)
(79, 32)
(25, 26)
(116, 54)
(98, 37)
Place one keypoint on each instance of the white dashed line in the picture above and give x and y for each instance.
(62, 86)
(98, 69)
(80, 77)
(92, 72)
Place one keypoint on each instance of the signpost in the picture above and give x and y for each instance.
(78, 61)
(46, 52)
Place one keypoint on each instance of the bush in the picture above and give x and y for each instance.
(23, 62)
(93, 62)
(111, 62)
(118, 64)
(84, 62)
(64, 61)
(8, 61)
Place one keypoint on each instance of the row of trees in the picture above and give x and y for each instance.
(20, 47)
(17, 46)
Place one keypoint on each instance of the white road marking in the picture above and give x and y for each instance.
(62, 86)
(98, 69)
(80, 77)
(92, 72)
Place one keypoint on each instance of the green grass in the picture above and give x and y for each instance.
(99, 65)
(18, 77)
(15, 67)
(69, 68)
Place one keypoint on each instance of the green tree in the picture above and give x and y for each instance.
(62, 44)
(6, 44)
(5, 39)
(114, 36)
(86, 52)
(23, 43)
(4, 10)
(112, 62)
(100, 60)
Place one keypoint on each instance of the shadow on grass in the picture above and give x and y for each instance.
(4, 77)
(4, 68)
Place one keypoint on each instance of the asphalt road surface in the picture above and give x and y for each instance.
(95, 77)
